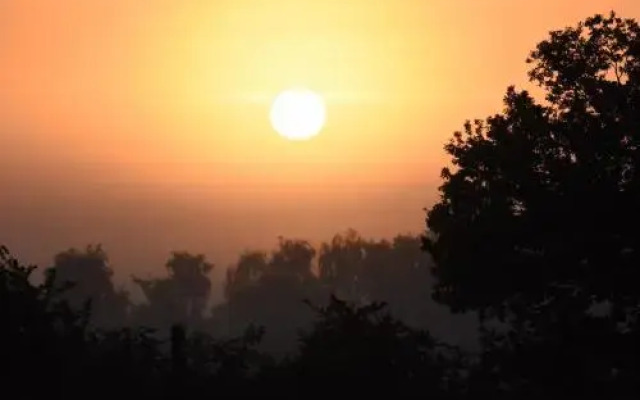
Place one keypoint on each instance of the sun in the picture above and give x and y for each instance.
(298, 114)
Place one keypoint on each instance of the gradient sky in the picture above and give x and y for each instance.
(144, 124)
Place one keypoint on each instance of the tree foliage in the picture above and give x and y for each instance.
(181, 297)
(87, 276)
(541, 198)
(363, 350)
(538, 215)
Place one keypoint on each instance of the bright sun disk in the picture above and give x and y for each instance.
(298, 114)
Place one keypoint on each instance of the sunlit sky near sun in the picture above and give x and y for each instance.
(144, 124)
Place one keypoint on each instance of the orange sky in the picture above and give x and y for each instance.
(144, 124)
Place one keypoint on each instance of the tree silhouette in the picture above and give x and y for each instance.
(340, 265)
(537, 218)
(398, 272)
(362, 350)
(267, 288)
(181, 297)
(362, 270)
(251, 266)
(268, 291)
(39, 329)
(292, 260)
(89, 276)
(395, 271)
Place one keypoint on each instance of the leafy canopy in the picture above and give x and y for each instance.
(540, 203)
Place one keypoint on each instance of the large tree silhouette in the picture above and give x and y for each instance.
(538, 216)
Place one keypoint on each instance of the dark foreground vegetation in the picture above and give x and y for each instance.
(535, 234)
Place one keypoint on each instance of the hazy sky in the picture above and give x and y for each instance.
(144, 124)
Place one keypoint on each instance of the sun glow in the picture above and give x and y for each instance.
(298, 114)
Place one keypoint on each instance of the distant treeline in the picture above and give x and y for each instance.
(264, 289)
(51, 349)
